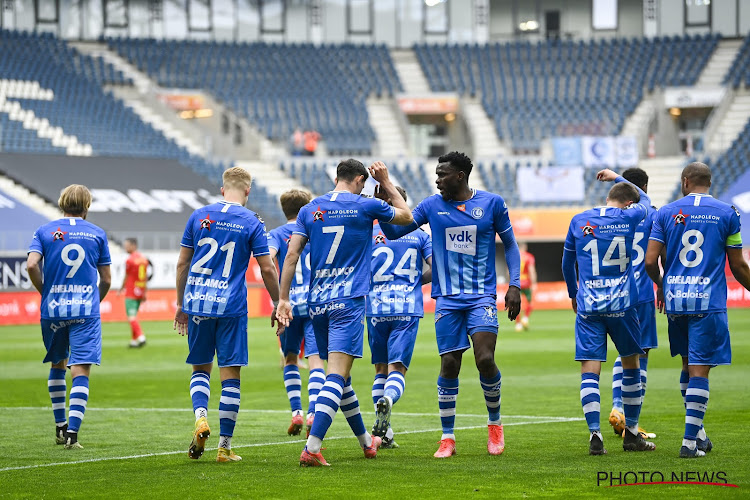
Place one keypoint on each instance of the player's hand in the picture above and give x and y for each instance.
(379, 172)
(283, 315)
(606, 175)
(180, 321)
(660, 299)
(574, 304)
(273, 317)
(513, 302)
(381, 195)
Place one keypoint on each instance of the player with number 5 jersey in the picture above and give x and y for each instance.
(73, 252)
(604, 296)
(218, 242)
(338, 226)
(699, 233)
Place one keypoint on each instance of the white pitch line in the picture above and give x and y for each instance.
(252, 410)
(277, 443)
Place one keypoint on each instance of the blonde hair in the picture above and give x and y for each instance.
(293, 200)
(75, 199)
(237, 178)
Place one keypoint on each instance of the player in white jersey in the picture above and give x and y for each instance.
(700, 233)
(217, 244)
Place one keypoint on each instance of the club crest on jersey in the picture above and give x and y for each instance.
(318, 215)
(380, 238)
(58, 235)
(206, 223)
(477, 212)
(490, 314)
(679, 218)
(588, 229)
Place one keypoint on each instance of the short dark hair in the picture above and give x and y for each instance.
(457, 160)
(623, 193)
(132, 241)
(637, 176)
(402, 192)
(348, 170)
(293, 200)
(698, 173)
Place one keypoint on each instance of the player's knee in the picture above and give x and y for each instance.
(450, 366)
(485, 362)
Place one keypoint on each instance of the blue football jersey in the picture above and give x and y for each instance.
(397, 274)
(223, 237)
(299, 291)
(463, 243)
(338, 226)
(695, 230)
(602, 239)
(72, 249)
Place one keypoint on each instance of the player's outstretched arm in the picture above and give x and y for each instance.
(183, 265)
(403, 216)
(739, 267)
(270, 280)
(284, 310)
(35, 272)
(105, 281)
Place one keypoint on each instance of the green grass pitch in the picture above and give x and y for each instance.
(139, 424)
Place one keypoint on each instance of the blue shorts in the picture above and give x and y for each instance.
(77, 340)
(392, 338)
(455, 322)
(298, 330)
(592, 329)
(227, 337)
(647, 318)
(339, 326)
(701, 338)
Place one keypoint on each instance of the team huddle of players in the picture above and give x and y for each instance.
(347, 260)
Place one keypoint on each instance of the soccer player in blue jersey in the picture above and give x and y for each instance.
(464, 223)
(218, 242)
(339, 228)
(646, 300)
(72, 251)
(604, 296)
(300, 328)
(394, 308)
(699, 233)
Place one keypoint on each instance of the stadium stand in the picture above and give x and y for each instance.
(557, 88)
(46, 85)
(739, 73)
(278, 87)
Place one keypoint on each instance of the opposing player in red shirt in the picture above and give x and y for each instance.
(134, 286)
(528, 284)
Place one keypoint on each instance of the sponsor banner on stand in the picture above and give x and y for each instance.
(550, 184)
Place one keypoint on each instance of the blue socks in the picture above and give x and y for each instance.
(314, 384)
(350, 409)
(326, 407)
(57, 393)
(229, 406)
(293, 384)
(447, 394)
(200, 390)
(644, 377)
(491, 389)
(394, 386)
(378, 388)
(591, 400)
(617, 384)
(79, 397)
(631, 397)
(696, 400)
